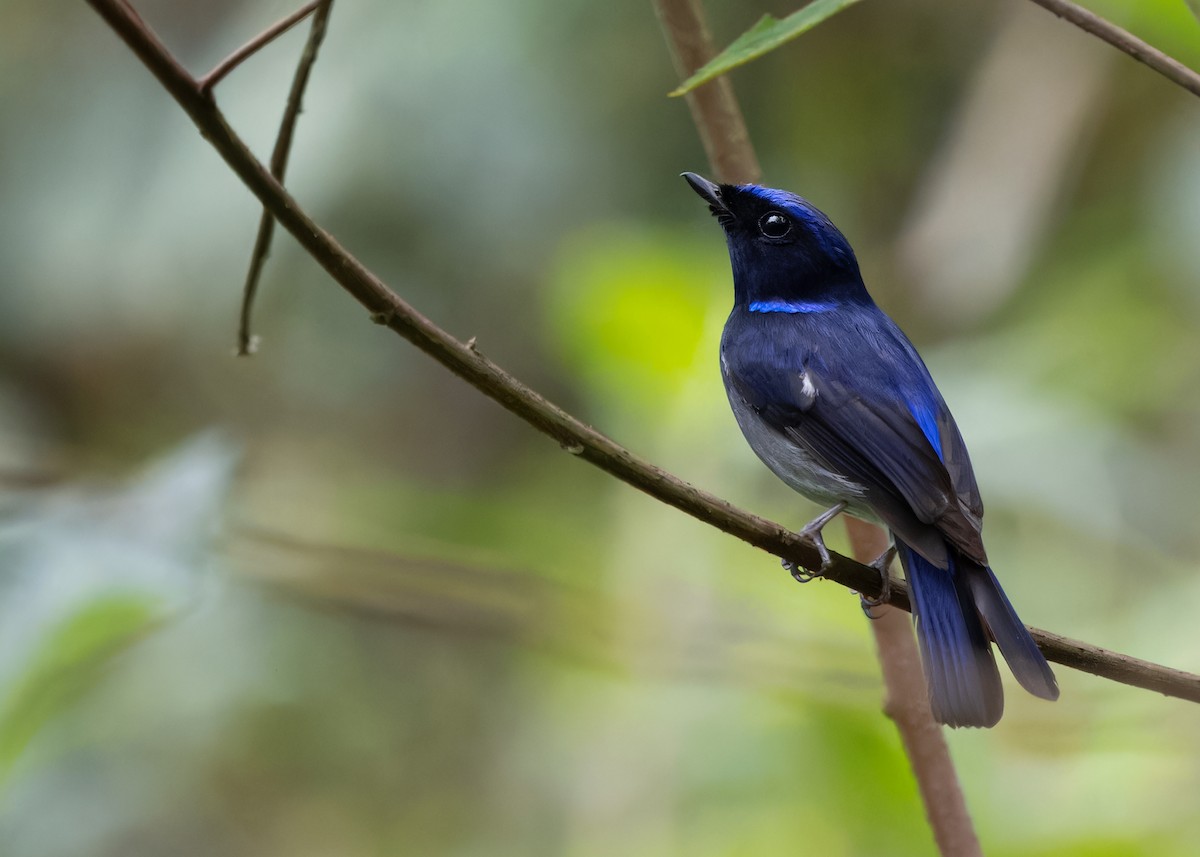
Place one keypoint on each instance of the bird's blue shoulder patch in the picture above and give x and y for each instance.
(924, 414)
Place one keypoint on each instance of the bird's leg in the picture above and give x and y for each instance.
(812, 532)
(880, 564)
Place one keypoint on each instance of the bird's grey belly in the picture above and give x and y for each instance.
(792, 463)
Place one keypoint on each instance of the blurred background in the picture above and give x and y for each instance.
(328, 600)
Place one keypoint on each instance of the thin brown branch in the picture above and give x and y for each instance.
(225, 66)
(1122, 40)
(714, 107)
(576, 437)
(906, 702)
(279, 161)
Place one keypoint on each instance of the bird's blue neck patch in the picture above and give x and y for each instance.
(790, 306)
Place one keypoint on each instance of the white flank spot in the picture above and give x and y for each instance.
(806, 385)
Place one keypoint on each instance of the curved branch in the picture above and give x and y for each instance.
(577, 438)
(1122, 40)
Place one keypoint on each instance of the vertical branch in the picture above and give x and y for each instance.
(714, 107)
(906, 702)
(719, 121)
(279, 161)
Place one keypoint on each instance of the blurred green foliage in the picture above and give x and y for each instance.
(66, 663)
(622, 308)
(424, 629)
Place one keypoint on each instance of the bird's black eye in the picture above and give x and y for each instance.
(774, 225)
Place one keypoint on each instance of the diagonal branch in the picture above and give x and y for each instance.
(279, 161)
(576, 437)
(1122, 40)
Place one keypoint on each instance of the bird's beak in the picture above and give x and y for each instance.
(708, 191)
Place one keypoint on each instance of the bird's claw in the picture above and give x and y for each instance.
(799, 573)
(812, 534)
(880, 564)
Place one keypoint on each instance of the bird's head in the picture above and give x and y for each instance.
(782, 248)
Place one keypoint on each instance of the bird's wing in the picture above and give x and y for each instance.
(895, 438)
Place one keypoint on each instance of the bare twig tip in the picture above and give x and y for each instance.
(247, 348)
(283, 142)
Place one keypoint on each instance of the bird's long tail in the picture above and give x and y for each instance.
(955, 609)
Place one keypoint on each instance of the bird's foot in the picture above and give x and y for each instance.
(799, 573)
(880, 564)
(812, 533)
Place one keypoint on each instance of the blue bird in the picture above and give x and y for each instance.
(835, 400)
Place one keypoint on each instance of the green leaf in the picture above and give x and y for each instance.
(67, 663)
(764, 37)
